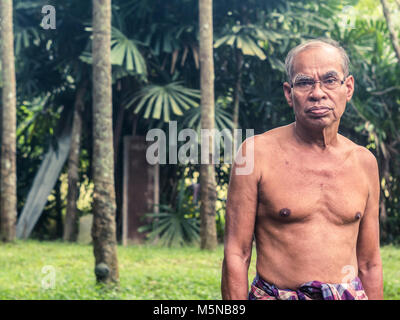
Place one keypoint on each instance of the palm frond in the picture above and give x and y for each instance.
(162, 100)
(125, 52)
(245, 38)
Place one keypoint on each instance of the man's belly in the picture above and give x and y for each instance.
(292, 255)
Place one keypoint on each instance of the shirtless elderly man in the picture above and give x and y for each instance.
(312, 201)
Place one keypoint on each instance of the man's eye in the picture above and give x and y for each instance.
(304, 83)
(330, 80)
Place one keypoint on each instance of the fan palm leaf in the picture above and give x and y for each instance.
(249, 39)
(161, 100)
(125, 52)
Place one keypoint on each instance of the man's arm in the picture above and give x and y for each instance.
(368, 251)
(241, 210)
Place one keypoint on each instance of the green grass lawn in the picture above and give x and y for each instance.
(146, 272)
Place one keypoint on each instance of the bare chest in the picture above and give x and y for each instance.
(299, 189)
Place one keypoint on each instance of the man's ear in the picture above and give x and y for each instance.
(288, 93)
(349, 83)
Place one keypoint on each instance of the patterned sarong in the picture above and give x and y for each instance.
(313, 290)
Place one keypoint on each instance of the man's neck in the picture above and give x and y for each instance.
(321, 137)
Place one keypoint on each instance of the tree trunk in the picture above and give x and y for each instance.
(208, 232)
(8, 194)
(58, 217)
(392, 31)
(383, 218)
(71, 217)
(385, 173)
(236, 102)
(118, 160)
(104, 207)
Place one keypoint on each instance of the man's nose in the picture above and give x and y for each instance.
(317, 93)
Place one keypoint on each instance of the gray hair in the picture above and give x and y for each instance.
(315, 43)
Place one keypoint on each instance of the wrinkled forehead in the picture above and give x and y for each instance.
(317, 61)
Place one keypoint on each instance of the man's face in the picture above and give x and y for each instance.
(318, 106)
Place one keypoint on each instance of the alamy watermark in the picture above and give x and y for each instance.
(49, 20)
(350, 275)
(49, 280)
(209, 144)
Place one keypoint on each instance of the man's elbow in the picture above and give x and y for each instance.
(366, 267)
(242, 256)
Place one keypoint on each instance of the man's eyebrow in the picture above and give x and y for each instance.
(301, 77)
(330, 74)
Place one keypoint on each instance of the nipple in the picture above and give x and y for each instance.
(285, 212)
(358, 215)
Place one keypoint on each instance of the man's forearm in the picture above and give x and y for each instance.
(372, 281)
(234, 283)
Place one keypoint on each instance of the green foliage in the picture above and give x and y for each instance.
(26, 33)
(125, 52)
(175, 226)
(222, 116)
(157, 99)
(248, 39)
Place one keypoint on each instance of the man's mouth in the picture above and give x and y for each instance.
(318, 110)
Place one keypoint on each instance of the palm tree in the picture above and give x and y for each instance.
(104, 206)
(208, 232)
(8, 189)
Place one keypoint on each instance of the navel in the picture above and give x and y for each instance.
(358, 216)
(285, 212)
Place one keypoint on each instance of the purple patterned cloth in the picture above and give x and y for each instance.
(313, 290)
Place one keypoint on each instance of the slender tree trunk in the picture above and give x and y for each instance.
(383, 217)
(58, 218)
(392, 31)
(8, 193)
(71, 217)
(118, 160)
(385, 173)
(104, 207)
(236, 102)
(238, 88)
(208, 232)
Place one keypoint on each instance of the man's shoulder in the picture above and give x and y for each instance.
(364, 156)
(269, 138)
(260, 148)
